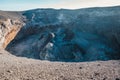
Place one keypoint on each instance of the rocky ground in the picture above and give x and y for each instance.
(17, 68)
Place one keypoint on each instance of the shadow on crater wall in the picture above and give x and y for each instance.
(85, 37)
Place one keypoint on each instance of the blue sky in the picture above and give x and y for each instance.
(19, 5)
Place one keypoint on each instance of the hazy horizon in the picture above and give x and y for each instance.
(15, 5)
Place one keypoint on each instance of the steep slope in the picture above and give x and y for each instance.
(10, 24)
(69, 35)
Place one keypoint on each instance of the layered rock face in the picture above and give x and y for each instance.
(9, 26)
(68, 35)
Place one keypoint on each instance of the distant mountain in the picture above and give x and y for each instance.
(62, 35)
